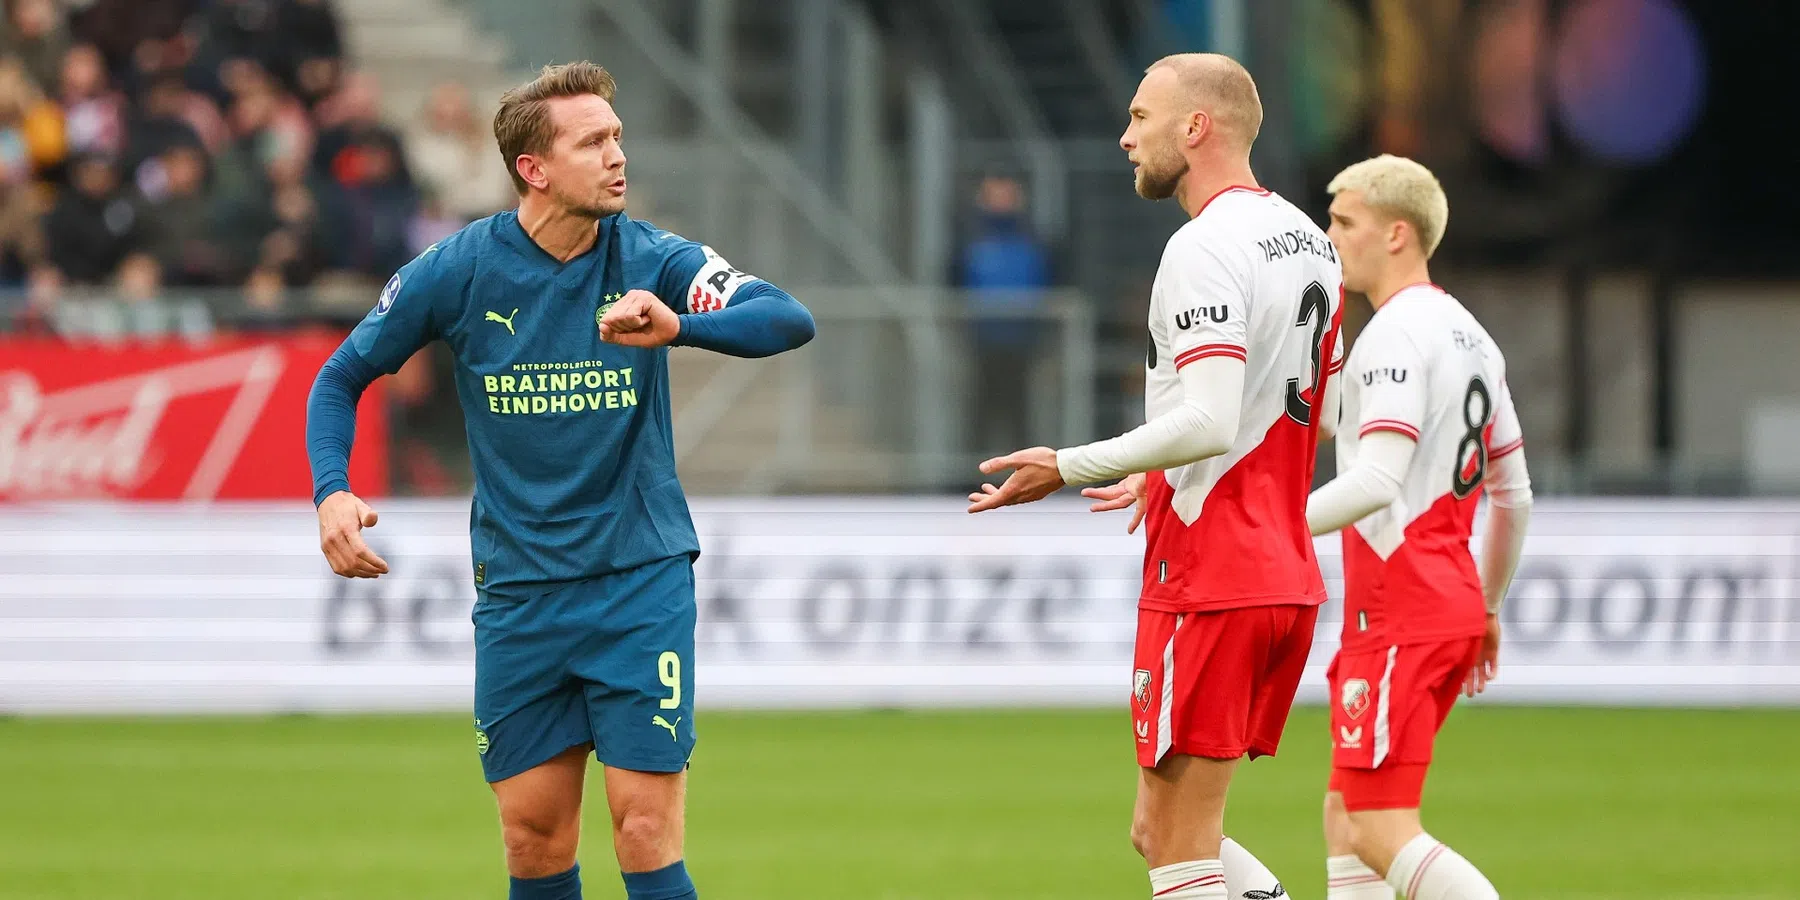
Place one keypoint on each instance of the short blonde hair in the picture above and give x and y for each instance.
(1401, 188)
(523, 126)
(1223, 86)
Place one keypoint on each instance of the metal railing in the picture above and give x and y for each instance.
(767, 186)
(903, 390)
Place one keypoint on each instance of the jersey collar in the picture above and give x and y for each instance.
(514, 236)
(1260, 192)
(1432, 285)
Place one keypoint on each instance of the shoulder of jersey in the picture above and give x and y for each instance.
(1427, 314)
(447, 255)
(441, 269)
(647, 235)
(1416, 324)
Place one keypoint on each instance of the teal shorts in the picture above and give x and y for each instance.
(607, 661)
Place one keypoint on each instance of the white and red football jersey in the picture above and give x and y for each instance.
(1423, 367)
(1250, 277)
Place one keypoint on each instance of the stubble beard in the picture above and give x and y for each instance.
(595, 208)
(1157, 178)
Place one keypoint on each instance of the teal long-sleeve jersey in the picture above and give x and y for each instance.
(569, 437)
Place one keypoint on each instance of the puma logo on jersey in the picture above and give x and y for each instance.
(1384, 376)
(504, 320)
(1218, 315)
(661, 722)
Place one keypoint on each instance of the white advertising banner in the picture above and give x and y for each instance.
(840, 602)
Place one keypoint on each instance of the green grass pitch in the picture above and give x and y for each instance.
(1577, 804)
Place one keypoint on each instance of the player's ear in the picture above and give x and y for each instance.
(1397, 232)
(1198, 125)
(531, 168)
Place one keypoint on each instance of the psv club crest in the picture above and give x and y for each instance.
(1355, 697)
(606, 304)
(1140, 689)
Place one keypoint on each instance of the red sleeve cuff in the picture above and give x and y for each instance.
(1394, 425)
(1205, 350)
(1497, 452)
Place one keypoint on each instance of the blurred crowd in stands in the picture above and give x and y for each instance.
(149, 145)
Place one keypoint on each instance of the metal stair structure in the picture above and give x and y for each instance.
(411, 45)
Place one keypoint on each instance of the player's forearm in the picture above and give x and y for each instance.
(1370, 485)
(1332, 407)
(1509, 510)
(331, 419)
(762, 320)
(1181, 436)
(1203, 426)
(1501, 548)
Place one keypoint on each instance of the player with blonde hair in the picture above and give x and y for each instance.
(1429, 425)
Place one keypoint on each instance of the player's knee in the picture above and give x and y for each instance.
(1371, 840)
(1140, 836)
(535, 835)
(643, 832)
(1363, 842)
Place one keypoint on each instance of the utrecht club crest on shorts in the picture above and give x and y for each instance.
(1355, 697)
(1140, 689)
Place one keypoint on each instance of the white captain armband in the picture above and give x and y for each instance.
(715, 284)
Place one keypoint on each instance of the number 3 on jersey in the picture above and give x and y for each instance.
(1315, 312)
(1472, 450)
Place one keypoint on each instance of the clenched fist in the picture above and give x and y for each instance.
(639, 319)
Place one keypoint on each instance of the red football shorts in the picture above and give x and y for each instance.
(1388, 704)
(1217, 684)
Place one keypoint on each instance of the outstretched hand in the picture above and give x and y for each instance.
(1129, 492)
(1035, 476)
(639, 319)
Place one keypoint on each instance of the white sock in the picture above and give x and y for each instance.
(1346, 878)
(1427, 870)
(1246, 878)
(1201, 879)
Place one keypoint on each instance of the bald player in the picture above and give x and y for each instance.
(1243, 338)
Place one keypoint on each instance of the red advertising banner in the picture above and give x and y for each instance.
(170, 420)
